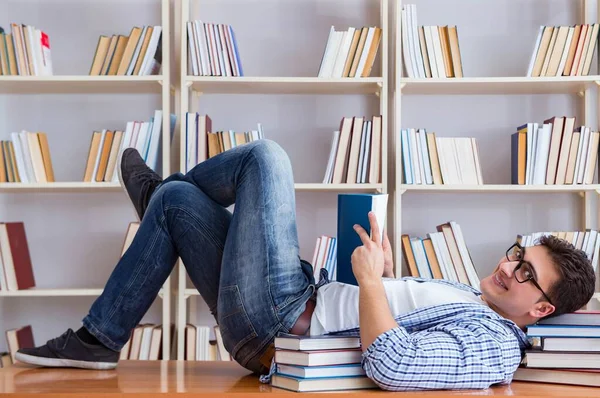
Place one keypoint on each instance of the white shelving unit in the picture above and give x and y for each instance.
(581, 86)
(193, 86)
(84, 84)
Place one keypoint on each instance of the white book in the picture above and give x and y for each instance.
(438, 254)
(332, 54)
(125, 143)
(361, 155)
(202, 48)
(415, 155)
(420, 258)
(365, 52)
(411, 41)
(332, 152)
(464, 254)
(343, 53)
(528, 160)
(416, 41)
(439, 56)
(475, 148)
(27, 161)
(406, 53)
(406, 158)
(190, 140)
(431, 51)
(565, 53)
(542, 152)
(98, 156)
(154, 142)
(136, 53)
(193, 60)
(534, 142)
(582, 160)
(466, 160)
(367, 158)
(425, 156)
(20, 158)
(535, 51)
(443, 246)
(146, 67)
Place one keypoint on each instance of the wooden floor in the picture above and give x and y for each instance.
(181, 379)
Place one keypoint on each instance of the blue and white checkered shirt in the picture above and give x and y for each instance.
(448, 346)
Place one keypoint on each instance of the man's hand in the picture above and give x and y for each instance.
(368, 259)
(388, 257)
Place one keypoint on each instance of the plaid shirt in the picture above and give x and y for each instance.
(448, 346)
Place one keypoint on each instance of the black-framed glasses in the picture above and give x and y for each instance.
(524, 271)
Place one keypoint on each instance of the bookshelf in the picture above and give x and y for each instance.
(286, 80)
(496, 211)
(71, 82)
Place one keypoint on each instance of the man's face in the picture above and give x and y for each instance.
(512, 299)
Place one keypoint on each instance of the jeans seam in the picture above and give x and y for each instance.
(208, 230)
(135, 276)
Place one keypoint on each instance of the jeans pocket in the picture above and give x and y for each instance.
(234, 322)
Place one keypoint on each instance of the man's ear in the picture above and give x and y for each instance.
(542, 309)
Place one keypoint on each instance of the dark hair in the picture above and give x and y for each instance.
(577, 280)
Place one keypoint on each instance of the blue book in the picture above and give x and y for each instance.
(353, 208)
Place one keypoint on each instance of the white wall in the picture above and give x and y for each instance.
(74, 239)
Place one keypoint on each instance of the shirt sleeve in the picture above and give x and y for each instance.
(448, 357)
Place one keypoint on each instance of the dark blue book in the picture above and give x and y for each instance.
(353, 208)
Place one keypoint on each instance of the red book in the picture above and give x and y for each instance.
(15, 256)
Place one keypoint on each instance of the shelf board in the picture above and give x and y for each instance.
(498, 85)
(59, 186)
(508, 188)
(80, 84)
(284, 85)
(36, 292)
(318, 187)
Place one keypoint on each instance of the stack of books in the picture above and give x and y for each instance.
(202, 143)
(355, 153)
(105, 146)
(563, 50)
(427, 159)
(565, 349)
(26, 158)
(319, 363)
(554, 153)
(25, 51)
(325, 256)
(442, 255)
(429, 51)
(138, 54)
(213, 50)
(350, 53)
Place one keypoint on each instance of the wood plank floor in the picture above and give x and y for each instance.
(181, 379)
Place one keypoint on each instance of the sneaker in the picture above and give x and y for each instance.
(137, 179)
(68, 350)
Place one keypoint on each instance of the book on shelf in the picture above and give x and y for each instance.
(26, 158)
(145, 343)
(354, 208)
(212, 50)
(16, 271)
(429, 159)
(429, 51)
(25, 51)
(325, 257)
(319, 363)
(18, 338)
(441, 255)
(106, 145)
(554, 153)
(138, 54)
(563, 349)
(563, 50)
(588, 241)
(201, 142)
(355, 152)
(350, 53)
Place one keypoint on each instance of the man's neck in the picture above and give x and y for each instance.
(521, 322)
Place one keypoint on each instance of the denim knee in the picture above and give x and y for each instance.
(271, 154)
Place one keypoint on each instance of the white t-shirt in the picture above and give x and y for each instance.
(337, 303)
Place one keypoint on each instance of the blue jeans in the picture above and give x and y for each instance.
(245, 264)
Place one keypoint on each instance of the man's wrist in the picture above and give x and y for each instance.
(370, 283)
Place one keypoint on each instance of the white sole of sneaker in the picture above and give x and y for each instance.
(61, 362)
(123, 184)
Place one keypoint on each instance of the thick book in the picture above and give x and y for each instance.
(322, 384)
(323, 342)
(318, 358)
(320, 372)
(580, 377)
(354, 209)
